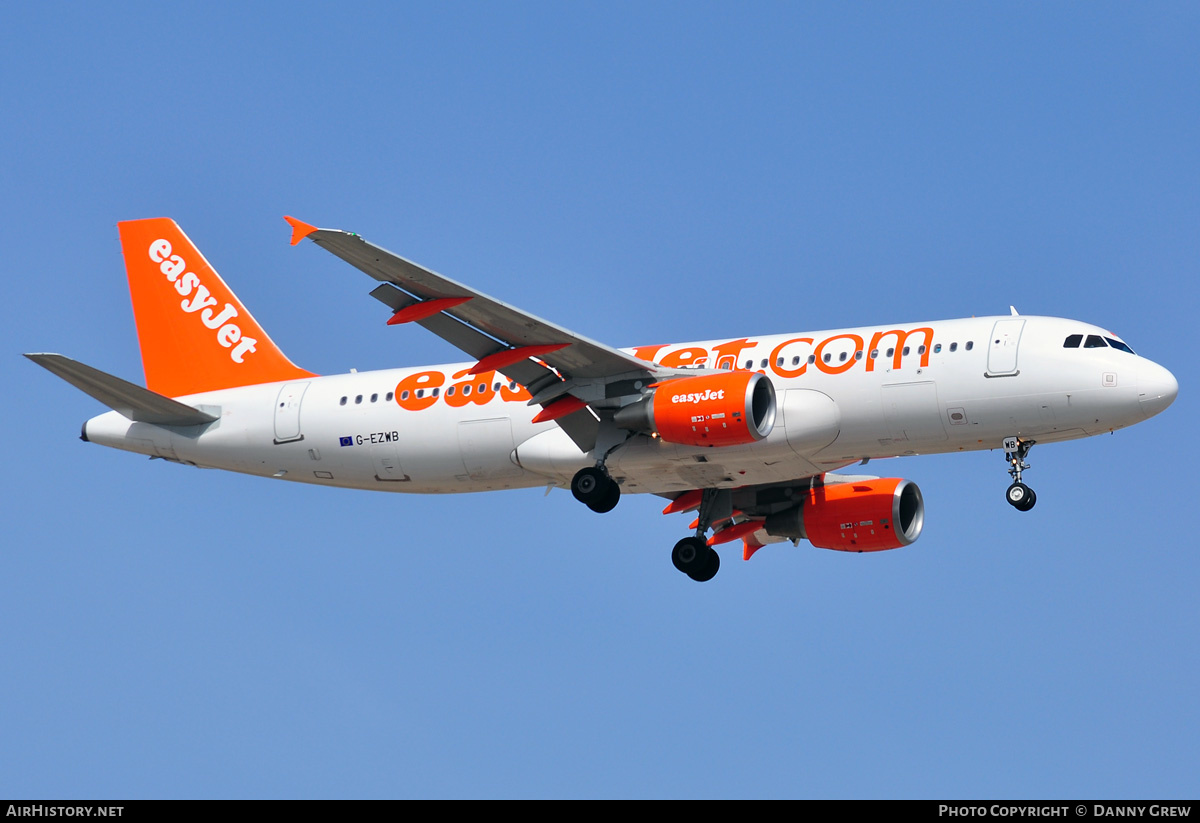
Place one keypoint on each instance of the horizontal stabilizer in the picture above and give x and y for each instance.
(138, 404)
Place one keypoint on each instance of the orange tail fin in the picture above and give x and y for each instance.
(194, 333)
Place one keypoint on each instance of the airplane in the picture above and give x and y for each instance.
(749, 433)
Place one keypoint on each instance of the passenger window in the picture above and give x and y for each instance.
(420, 393)
(512, 385)
(779, 362)
(435, 392)
(970, 345)
(749, 365)
(937, 348)
(1073, 341)
(404, 394)
(450, 391)
(842, 357)
(482, 388)
(920, 350)
(812, 358)
(953, 347)
(466, 390)
(858, 355)
(796, 360)
(763, 365)
(874, 354)
(358, 399)
(496, 387)
(388, 397)
(905, 352)
(1094, 341)
(828, 357)
(891, 352)
(374, 397)
(342, 402)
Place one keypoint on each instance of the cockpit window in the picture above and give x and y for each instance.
(1094, 341)
(1073, 341)
(1118, 345)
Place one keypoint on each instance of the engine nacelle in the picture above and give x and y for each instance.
(863, 516)
(725, 409)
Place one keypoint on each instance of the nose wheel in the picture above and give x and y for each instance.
(1019, 496)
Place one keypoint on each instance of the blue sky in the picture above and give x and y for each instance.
(639, 173)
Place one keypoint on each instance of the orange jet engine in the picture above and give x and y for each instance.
(860, 516)
(727, 409)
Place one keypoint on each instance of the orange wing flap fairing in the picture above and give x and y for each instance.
(559, 408)
(734, 532)
(425, 308)
(685, 502)
(508, 357)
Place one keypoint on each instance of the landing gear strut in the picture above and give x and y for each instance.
(595, 489)
(1019, 496)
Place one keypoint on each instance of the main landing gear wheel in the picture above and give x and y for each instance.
(596, 490)
(1020, 497)
(710, 570)
(610, 500)
(696, 559)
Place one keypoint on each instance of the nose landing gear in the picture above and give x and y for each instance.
(1019, 496)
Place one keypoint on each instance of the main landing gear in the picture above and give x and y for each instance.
(595, 489)
(594, 486)
(695, 558)
(1019, 496)
(692, 555)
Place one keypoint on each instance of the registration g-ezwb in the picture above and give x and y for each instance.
(748, 433)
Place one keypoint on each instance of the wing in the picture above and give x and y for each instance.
(571, 373)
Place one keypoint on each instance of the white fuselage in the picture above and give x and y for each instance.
(842, 396)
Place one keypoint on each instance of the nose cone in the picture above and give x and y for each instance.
(1157, 388)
